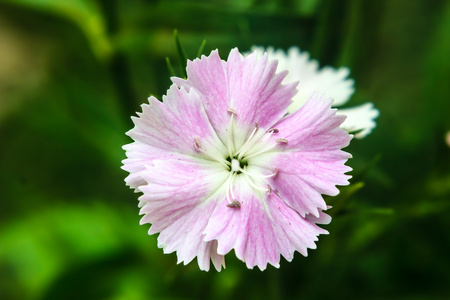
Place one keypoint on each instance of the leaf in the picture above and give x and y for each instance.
(170, 67)
(42, 245)
(83, 13)
(181, 54)
(200, 50)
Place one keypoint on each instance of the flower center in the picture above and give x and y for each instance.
(240, 160)
(235, 164)
(241, 156)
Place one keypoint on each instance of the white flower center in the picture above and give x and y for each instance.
(241, 157)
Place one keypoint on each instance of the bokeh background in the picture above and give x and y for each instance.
(72, 72)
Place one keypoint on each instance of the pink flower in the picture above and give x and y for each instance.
(222, 167)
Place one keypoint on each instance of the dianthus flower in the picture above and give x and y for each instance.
(334, 83)
(222, 167)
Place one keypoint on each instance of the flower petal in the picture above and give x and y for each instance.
(168, 130)
(140, 155)
(323, 218)
(262, 229)
(312, 162)
(359, 118)
(257, 99)
(174, 124)
(303, 177)
(314, 127)
(178, 200)
(208, 76)
(327, 80)
(233, 85)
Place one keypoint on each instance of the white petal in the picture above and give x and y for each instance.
(359, 118)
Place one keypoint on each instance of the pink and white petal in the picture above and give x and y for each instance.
(140, 155)
(299, 233)
(261, 230)
(359, 118)
(185, 237)
(178, 200)
(257, 99)
(174, 125)
(323, 218)
(169, 130)
(210, 254)
(303, 177)
(290, 181)
(232, 85)
(298, 194)
(311, 163)
(207, 75)
(314, 127)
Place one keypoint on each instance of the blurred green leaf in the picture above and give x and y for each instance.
(200, 50)
(43, 244)
(170, 67)
(84, 13)
(182, 58)
(308, 7)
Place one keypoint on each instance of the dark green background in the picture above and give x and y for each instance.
(72, 72)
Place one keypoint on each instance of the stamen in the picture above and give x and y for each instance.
(231, 188)
(229, 179)
(198, 147)
(247, 143)
(232, 111)
(271, 175)
(269, 190)
(260, 151)
(284, 141)
(275, 172)
(234, 204)
(249, 180)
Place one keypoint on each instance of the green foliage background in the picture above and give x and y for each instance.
(72, 72)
